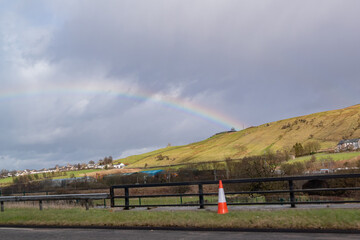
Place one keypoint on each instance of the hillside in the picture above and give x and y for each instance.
(327, 128)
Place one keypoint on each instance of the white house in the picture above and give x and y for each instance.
(91, 165)
(348, 144)
(121, 165)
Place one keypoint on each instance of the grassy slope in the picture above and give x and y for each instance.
(5, 181)
(295, 219)
(334, 156)
(325, 127)
(77, 173)
(136, 158)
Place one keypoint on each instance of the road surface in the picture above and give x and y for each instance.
(109, 234)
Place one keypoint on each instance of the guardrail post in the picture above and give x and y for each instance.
(126, 199)
(292, 195)
(40, 205)
(112, 199)
(2, 206)
(201, 196)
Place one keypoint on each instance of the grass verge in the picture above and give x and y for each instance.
(314, 219)
(6, 181)
(334, 156)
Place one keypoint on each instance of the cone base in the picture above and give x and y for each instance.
(222, 208)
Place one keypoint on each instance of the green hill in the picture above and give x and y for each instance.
(327, 128)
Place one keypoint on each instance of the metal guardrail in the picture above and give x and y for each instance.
(41, 198)
(200, 194)
(24, 192)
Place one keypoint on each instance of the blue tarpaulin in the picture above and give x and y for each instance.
(152, 172)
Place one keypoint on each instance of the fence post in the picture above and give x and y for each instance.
(40, 205)
(87, 204)
(201, 196)
(126, 199)
(292, 195)
(2, 206)
(112, 199)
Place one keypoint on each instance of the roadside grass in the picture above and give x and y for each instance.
(214, 200)
(161, 201)
(346, 219)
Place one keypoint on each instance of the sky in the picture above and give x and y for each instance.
(85, 79)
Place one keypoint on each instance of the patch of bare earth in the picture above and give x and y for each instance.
(353, 162)
(102, 173)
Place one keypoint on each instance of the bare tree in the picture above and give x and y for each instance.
(4, 172)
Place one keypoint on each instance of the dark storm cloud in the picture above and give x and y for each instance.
(256, 61)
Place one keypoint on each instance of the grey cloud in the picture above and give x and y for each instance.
(231, 45)
(257, 61)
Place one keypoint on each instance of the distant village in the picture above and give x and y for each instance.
(106, 163)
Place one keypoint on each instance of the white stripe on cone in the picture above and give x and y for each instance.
(221, 196)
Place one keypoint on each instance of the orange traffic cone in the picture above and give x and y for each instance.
(222, 207)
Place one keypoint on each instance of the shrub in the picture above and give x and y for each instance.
(293, 169)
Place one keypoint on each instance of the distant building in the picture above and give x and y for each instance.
(91, 166)
(348, 144)
(121, 165)
(324, 170)
(231, 131)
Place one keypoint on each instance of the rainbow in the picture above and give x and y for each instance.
(182, 105)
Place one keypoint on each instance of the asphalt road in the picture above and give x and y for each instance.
(89, 234)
